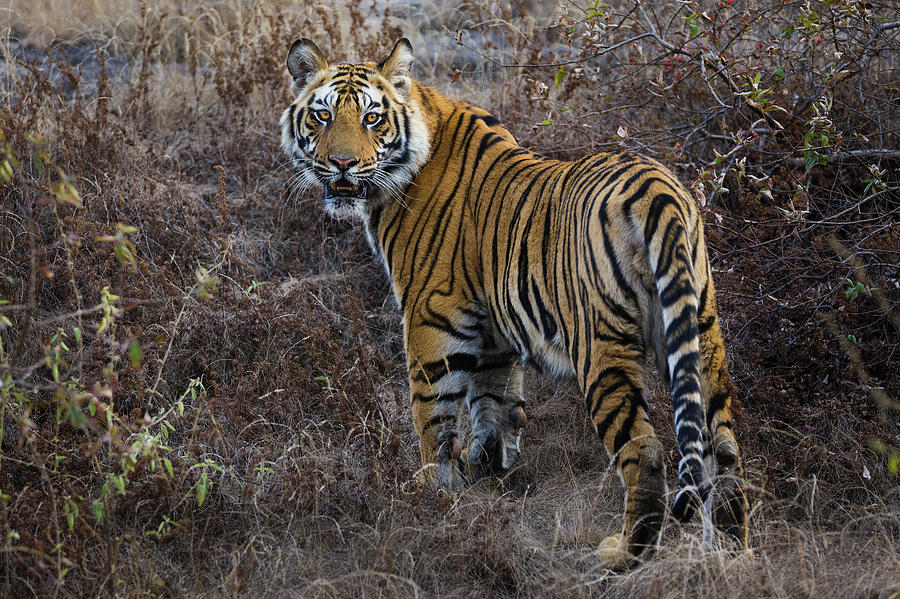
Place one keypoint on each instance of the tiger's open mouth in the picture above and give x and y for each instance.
(342, 189)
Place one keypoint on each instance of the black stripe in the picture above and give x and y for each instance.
(439, 419)
(623, 436)
(420, 397)
(657, 206)
(716, 405)
(681, 329)
(679, 287)
(489, 120)
(434, 371)
(686, 363)
(492, 396)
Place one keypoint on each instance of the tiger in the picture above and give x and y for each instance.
(501, 258)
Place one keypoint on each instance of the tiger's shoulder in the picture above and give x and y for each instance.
(432, 102)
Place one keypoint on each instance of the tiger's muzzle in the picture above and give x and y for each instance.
(343, 193)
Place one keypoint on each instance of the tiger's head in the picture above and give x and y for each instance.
(354, 129)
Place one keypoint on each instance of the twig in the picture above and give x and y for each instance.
(851, 154)
(503, 65)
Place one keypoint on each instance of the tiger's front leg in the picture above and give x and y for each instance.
(439, 379)
(498, 417)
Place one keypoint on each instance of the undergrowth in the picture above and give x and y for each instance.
(201, 376)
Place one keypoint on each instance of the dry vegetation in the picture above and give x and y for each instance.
(201, 384)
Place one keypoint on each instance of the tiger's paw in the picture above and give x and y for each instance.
(511, 438)
(492, 452)
(730, 508)
(729, 502)
(449, 475)
(484, 456)
(613, 554)
(444, 467)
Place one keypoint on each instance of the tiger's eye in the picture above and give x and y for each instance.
(323, 115)
(372, 118)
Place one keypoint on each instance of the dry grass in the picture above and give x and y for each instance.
(255, 346)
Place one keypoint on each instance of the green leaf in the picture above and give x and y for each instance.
(134, 354)
(560, 75)
(693, 27)
(123, 254)
(168, 464)
(119, 482)
(852, 339)
(546, 123)
(893, 464)
(778, 76)
(6, 171)
(321, 379)
(76, 417)
(812, 161)
(99, 511)
(202, 489)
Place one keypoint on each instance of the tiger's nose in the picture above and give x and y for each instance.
(343, 162)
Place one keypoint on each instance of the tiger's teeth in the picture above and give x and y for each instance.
(345, 187)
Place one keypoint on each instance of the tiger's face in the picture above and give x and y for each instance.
(353, 129)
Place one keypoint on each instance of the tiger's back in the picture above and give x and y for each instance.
(499, 256)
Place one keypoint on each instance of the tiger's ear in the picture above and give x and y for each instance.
(305, 60)
(396, 66)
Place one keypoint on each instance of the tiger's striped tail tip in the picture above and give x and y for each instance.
(694, 487)
(690, 497)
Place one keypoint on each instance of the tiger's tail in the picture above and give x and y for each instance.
(670, 253)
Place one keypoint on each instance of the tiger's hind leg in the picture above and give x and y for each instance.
(614, 394)
(498, 418)
(729, 503)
